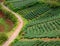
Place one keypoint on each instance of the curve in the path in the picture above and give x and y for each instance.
(18, 29)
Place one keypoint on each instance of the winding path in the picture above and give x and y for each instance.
(18, 29)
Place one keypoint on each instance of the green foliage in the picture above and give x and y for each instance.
(46, 25)
(40, 15)
(53, 3)
(34, 11)
(10, 16)
(0, 6)
(21, 4)
(43, 21)
(3, 38)
(36, 43)
(6, 26)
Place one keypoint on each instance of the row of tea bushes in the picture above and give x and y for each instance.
(36, 43)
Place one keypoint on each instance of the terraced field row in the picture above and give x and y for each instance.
(45, 17)
(34, 11)
(36, 43)
(20, 4)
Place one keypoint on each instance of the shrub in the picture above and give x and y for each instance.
(3, 38)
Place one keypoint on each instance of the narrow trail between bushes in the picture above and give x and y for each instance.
(43, 39)
(17, 30)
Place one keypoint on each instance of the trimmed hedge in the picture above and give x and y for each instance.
(18, 5)
(53, 3)
(36, 43)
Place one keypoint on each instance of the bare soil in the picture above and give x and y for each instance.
(1, 0)
(2, 28)
(8, 21)
(43, 39)
(1, 15)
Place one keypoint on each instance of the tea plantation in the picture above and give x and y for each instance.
(43, 21)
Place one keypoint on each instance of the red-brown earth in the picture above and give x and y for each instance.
(8, 21)
(2, 28)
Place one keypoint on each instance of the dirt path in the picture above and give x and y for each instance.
(42, 39)
(18, 29)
